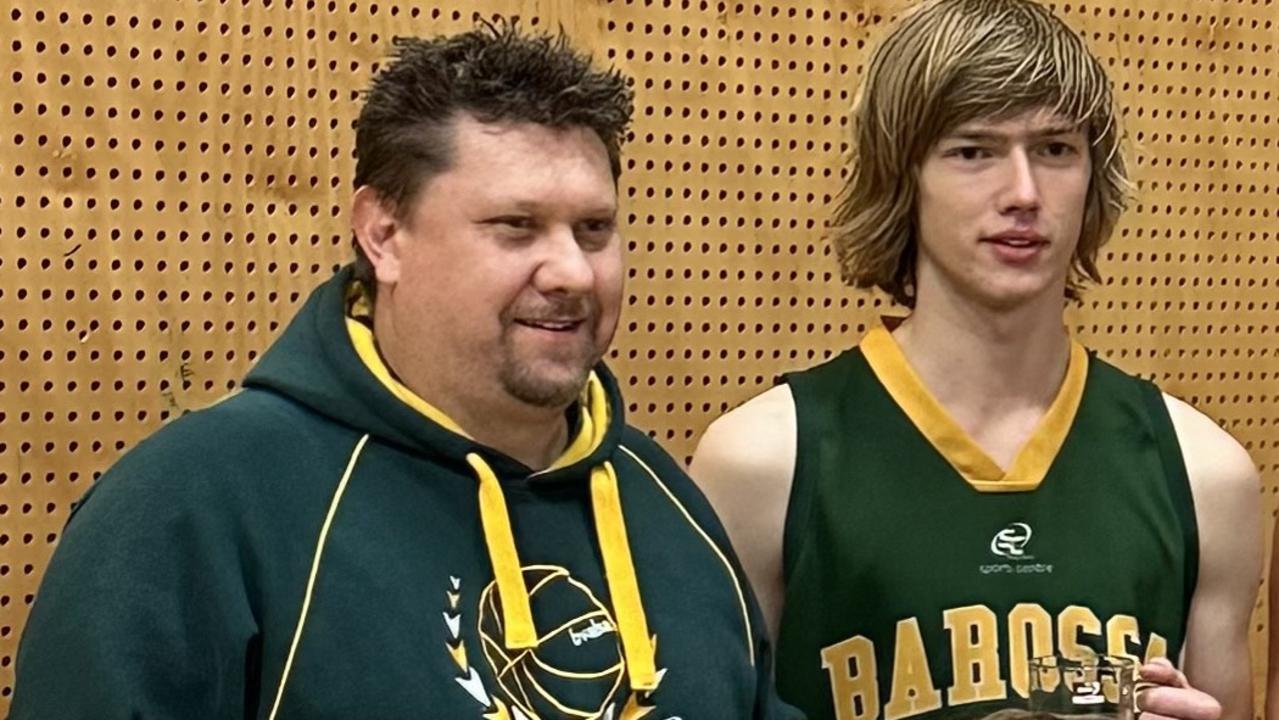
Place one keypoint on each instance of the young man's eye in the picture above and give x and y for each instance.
(1059, 149)
(969, 152)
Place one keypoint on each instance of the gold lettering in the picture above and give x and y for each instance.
(913, 691)
(1121, 630)
(1033, 620)
(1073, 621)
(974, 649)
(854, 680)
(1156, 647)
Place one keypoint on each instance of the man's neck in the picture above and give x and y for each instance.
(533, 435)
(995, 371)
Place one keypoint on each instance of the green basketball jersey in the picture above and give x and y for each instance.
(921, 577)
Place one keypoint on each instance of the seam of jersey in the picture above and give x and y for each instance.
(800, 499)
(728, 567)
(315, 571)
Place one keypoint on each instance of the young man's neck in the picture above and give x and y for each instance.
(982, 361)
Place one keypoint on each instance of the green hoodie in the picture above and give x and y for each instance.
(323, 544)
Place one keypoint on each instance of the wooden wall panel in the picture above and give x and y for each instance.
(174, 178)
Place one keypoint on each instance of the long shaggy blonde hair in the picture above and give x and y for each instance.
(946, 63)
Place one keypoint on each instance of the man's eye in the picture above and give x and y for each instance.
(596, 226)
(595, 234)
(519, 222)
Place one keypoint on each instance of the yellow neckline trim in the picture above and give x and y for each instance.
(955, 445)
(594, 416)
(362, 341)
(592, 425)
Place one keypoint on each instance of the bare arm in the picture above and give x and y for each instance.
(1227, 495)
(1272, 681)
(745, 463)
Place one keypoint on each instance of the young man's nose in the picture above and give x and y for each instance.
(1021, 186)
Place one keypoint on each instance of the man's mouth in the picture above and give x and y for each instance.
(551, 325)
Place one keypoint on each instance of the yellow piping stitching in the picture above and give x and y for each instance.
(315, 570)
(741, 598)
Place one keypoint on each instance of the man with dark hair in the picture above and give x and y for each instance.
(969, 488)
(424, 502)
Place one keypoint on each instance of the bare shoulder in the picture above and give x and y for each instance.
(1215, 461)
(745, 464)
(1226, 489)
(753, 442)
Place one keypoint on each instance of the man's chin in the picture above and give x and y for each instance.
(548, 388)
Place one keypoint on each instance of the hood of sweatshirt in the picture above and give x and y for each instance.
(327, 360)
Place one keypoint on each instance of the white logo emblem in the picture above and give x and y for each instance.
(1011, 541)
(590, 632)
(1087, 693)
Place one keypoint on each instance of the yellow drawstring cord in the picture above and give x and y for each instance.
(619, 570)
(517, 615)
(610, 527)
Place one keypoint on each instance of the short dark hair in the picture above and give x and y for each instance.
(495, 73)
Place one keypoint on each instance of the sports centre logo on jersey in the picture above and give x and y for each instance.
(577, 669)
(1010, 544)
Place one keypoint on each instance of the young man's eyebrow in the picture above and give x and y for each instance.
(975, 134)
(1064, 129)
(982, 134)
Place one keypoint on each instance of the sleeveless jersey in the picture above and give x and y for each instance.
(920, 577)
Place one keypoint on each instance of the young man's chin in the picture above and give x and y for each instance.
(1006, 296)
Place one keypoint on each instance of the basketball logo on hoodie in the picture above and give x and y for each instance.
(576, 670)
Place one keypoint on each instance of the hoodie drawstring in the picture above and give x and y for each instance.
(619, 570)
(517, 614)
(623, 587)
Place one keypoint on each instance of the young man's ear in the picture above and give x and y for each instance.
(376, 230)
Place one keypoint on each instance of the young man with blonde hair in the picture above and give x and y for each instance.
(969, 488)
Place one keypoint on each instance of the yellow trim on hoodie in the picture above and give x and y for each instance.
(593, 422)
(315, 571)
(963, 453)
(728, 567)
(362, 340)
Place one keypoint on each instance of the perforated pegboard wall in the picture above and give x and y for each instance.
(173, 180)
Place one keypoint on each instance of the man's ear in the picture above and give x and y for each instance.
(377, 231)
